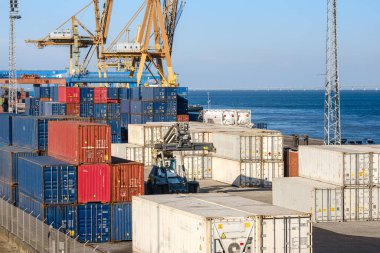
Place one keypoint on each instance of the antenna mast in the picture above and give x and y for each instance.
(332, 126)
(12, 92)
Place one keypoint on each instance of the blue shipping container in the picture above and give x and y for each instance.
(59, 216)
(170, 118)
(159, 118)
(9, 162)
(135, 93)
(100, 111)
(121, 222)
(153, 94)
(53, 109)
(6, 128)
(9, 193)
(113, 93)
(140, 107)
(171, 108)
(54, 93)
(141, 119)
(125, 106)
(115, 126)
(94, 223)
(54, 181)
(32, 106)
(125, 120)
(87, 110)
(182, 105)
(116, 138)
(31, 132)
(171, 93)
(87, 95)
(159, 107)
(124, 93)
(113, 111)
(42, 92)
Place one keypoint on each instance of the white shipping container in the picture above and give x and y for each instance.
(246, 174)
(206, 223)
(197, 167)
(340, 165)
(120, 150)
(139, 154)
(327, 202)
(148, 134)
(249, 146)
(228, 117)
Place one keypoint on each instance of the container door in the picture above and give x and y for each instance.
(356, 169)
(245, 148)
(375, 169)
(289, 235)
(271, 170)
(207, 167)
(375, 203)
(233, 236)
(250, 174)
(357, 204)
(328, 205)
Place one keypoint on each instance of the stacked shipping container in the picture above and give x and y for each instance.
(338, 183)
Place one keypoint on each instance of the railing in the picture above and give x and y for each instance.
(38, 235)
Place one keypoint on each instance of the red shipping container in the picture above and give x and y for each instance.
(73, 110)
(79, 142)
(69, 95)
(127, 180)
(183, 118)
(100, 95)
(94, 183)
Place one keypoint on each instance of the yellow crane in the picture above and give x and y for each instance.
(72, 38)
(152, 46)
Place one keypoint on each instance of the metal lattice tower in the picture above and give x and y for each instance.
(332, 127)
(13, 15)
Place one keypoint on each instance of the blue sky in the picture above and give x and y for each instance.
(230, 44)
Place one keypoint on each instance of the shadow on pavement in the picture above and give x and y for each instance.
(325, 241)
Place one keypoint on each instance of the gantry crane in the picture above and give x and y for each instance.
(332, 127)
(12, 91)
(141, 55)
(71, 37)
(172, 12)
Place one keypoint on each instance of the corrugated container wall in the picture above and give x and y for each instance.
(9, 169)
(121, 222)
(63, 217)
(100, 95)
(80, 142)
(246, 174)
(327, 202)
(54, 181)
(73, 110)
(127, 180)
(344, 166)
(53, 109)
(6, 128)
(31, 132)
(69, 95)
(87, 95)
(217, 223)
(94, 183)
(94, 223)
(9, 193)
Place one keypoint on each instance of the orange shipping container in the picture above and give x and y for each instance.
(127, 180)
(293, 163)
(79, 142)
(183, 118)
(73, 110)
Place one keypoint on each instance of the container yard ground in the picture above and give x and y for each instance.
(6, 246)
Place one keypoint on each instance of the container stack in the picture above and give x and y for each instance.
(244, 157)
(217, 223)
(337, 183)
